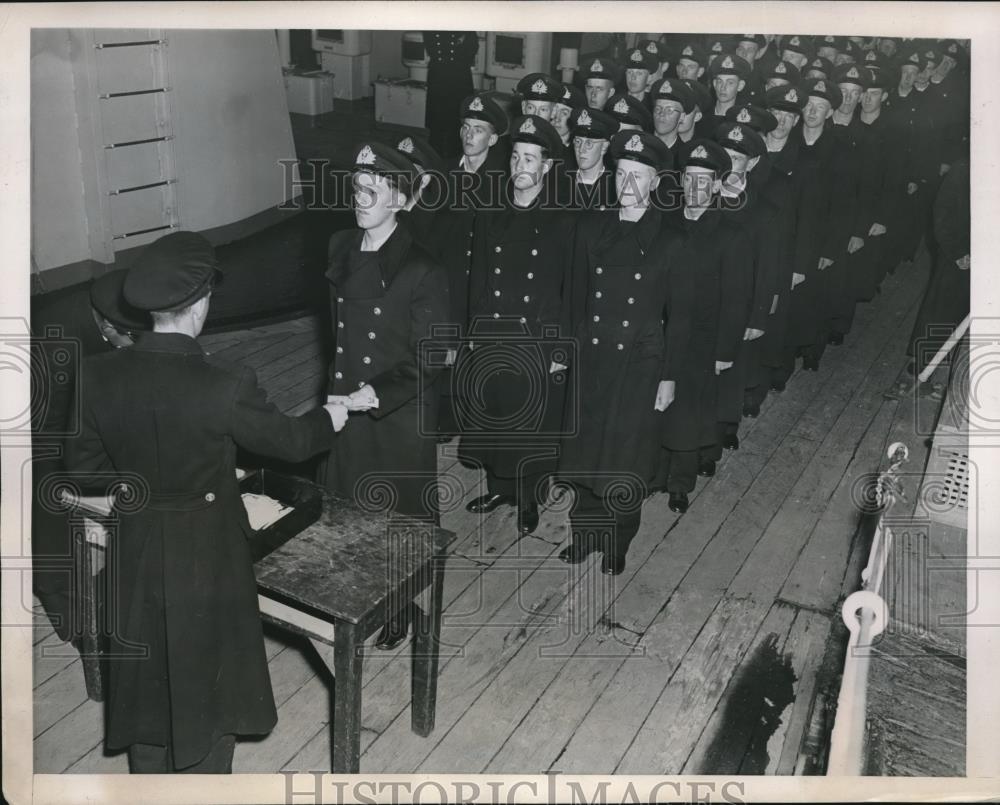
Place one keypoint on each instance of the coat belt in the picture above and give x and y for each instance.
(165, 501)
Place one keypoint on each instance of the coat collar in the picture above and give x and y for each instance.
(350, 262)
(173, 343)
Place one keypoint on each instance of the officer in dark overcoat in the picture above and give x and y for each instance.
(590, 185)
(627, 360)
(449, 79)
(474, 182)
(512, 372)
(823, 225)
(387, 296)
(160, 424)
(744, 202)
(716, 251)
(90, 319)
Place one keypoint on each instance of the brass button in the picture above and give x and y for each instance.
(340, 324)
(497, 249)
(631, 300)
(366, 359)
(638, 276)
(210, 496)
(340, 350)
(534, 252)
(371, 336)
(361, 384)
(624, 324)
(377, 311)
(621, 346)
(531, 276)
(496, 315)
(593, 341)
(496, 270)
(496, 293)
(340, 299)
(597, 318)
(598, 270)
(338, 375)
(527, 299)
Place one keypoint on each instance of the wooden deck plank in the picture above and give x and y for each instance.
(818, 576)
(59, 696)
(49, 657)
(60, 747)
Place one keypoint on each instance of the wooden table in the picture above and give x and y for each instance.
(336, 573)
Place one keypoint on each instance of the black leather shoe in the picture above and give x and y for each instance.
(730, 442)
(612, 565)
(810, 364)
(395, 631)
(678, 502)
(752, 410)
(778, 386)
(706, 469)
(489, 503)
(835, 339)
(527, 520)
(575, 553)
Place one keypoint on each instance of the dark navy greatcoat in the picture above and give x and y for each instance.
(384, 305)
(519, 311)
(632, 334)
(187, 661)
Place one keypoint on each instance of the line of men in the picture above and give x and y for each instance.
(671, 236)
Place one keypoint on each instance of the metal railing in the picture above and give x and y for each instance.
(865, 613)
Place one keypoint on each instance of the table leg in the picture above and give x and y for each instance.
(346, 725)
(426, 647)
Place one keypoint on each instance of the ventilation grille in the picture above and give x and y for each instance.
(944, 493)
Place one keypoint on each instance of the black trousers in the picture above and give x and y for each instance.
(530, 489)
(153, 759)
(680, 469)
(602, 524)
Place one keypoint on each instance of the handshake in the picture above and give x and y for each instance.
(339, 406)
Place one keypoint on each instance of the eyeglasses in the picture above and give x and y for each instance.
(585, 144)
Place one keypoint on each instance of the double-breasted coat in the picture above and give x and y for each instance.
(632, 334)
(714, 255)
(520, 292)
(186, 660)
(386, 306)
(449, 80)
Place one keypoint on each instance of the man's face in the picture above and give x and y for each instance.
(688, 121)
(598, 91)
(541, 108)
(477, 136)
(786, 122)
(795, 58)
(887, 47)
(747, 49)
(634, 181)
(589, 151)
(636, 79)
(871, 100)
(527, 166)
(699, 186)
(907, 76)
(843, 58)
(375, 199)
(816, 112)
(827, 52)
(775, 81)
(852, 94)
(667, 114)
(560, 119)
(924, 76)
(740, 160)
(727, 87)
(691, 70)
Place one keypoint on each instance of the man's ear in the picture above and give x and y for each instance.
(741, 85)
(751, 164)
(546, 166)
(829, 113)
(697, 114)
(604, 147)
(493, 139)
(700, 73)
(611, 92)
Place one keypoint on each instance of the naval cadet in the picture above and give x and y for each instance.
(782, 74)
(691, 61)
(517, 355)
(592, 184)
(673, 104)
(715, 251)
(572, 97)
(538, 94)
(796, 50)
(640, 64)
(165, 412)
(387, 296)
(729, 75)
(600, 78)
(627, 357)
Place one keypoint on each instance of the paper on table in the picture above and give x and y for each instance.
(262, 510)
